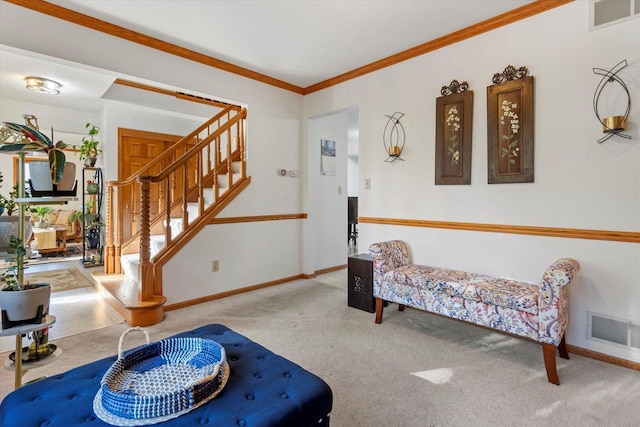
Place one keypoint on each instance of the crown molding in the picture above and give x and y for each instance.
(507, 18)
(145, 40)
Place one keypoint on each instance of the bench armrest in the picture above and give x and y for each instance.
(553, 302)
(387, 256)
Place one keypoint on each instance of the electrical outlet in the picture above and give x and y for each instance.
(215, 265)
(367, 183)
(281, 172)
(293, 174)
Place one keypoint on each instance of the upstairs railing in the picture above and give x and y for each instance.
(201, 160)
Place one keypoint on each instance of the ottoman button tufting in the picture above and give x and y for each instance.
(284, 396)
(256, 375)
(242, 423)
(204, 420)
(250, 396)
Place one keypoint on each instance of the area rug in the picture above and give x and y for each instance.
(61, 280)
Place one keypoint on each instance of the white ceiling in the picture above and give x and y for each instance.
(301, 42)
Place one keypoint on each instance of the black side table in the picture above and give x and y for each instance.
(360, 270)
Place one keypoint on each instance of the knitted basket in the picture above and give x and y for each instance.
(160, 381)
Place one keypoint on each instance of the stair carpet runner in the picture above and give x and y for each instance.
(131, 262)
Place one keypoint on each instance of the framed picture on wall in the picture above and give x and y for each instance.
(510, 130)
(454, 119)
(328, 157)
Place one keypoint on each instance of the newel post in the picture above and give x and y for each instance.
(145, 272)
(109, 256)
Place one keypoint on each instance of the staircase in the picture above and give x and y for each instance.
(152, 214)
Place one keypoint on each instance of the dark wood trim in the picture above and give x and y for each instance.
(257, 218)
(148, 41)
(330, 269)
(195, 301)
(569, 233)
(180, 95)
(603, 357)
(507, 18)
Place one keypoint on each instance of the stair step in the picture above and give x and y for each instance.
(223, 180)
(122, 293)
(235, 167)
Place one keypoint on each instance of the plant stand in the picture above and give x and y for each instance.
(92, 247)
(17, 364)
(45, 322)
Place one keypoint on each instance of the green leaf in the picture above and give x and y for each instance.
(11, 147)
(57, 161)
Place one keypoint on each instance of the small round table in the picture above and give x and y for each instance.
(18, 331)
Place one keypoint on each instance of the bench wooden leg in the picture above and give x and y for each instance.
(549, 352)
(562, 348)
(401, 307)
(379, 306)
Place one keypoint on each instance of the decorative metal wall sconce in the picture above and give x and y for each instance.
(613, 125)
(393, 137)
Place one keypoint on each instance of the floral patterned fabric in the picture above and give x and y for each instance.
(536, 312)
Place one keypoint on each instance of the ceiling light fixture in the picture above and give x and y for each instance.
(40, 84)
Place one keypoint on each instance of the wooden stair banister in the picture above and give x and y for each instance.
(191, 165)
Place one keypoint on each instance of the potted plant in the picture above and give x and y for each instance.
(89, 149)
(92, 187)
(16, 138)
(40, 214)
(21, 303)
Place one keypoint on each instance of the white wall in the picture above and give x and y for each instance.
(578, 183)
(326, 245)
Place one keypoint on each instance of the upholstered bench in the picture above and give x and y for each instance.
(263, 389)
(537, 312)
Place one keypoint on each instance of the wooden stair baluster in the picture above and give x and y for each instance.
(145, 269)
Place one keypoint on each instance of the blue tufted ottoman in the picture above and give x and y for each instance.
(264, 389)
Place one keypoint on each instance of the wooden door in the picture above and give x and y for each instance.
(136, 150)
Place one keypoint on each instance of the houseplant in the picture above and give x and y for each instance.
(89, 149)
(21, 302)
(21, 138)
(40, 214)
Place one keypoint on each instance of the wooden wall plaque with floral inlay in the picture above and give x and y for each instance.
(454, 118)
(510, 127)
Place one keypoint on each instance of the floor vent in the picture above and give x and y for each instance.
(613, 330)
(608, 12)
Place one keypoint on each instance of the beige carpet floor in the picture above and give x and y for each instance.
(414, 369)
